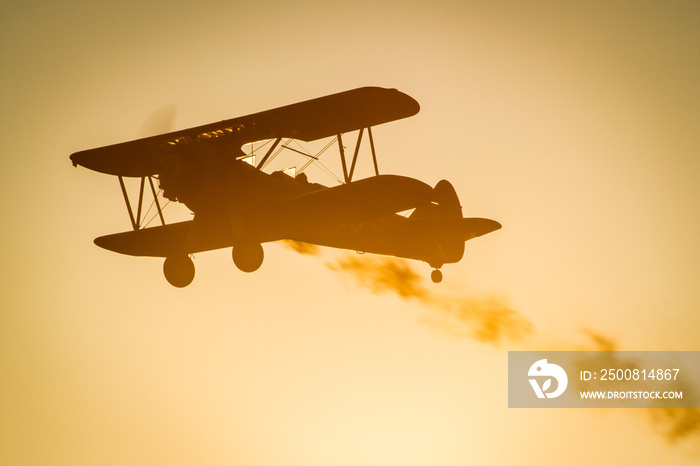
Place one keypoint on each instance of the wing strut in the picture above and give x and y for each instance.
(138, 211)
(348, 175)
(128, 205)
(155, 199)
(137, 220)
(341, 149)
(374, 153)
(269, 153)
(357, 151)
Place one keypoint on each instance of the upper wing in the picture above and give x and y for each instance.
(308, 121)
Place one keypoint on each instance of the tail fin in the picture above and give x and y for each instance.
(443, 217)
(445, 204)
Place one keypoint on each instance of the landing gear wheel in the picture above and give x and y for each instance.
(436, 276)
(178, 270)
(248, 257)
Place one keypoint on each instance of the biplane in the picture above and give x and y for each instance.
(236, 204)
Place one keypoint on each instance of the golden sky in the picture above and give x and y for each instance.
(574, 124)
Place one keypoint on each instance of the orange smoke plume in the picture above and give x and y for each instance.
(301, 247)
(488, 320)
(674, 424)
(383, 274)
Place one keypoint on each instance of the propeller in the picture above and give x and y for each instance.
(160, 121)
(130, 158)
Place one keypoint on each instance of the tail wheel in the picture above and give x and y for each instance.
(248, 257)
(436, 276)
(178, 270)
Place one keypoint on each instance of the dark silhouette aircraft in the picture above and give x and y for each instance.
(236, 204)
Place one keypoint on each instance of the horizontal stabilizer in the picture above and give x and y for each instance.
(458, 229)
(475, 227)
(445, 204)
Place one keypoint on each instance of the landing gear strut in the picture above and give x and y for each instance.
(436, 276)
(248, 257)
(178, 270)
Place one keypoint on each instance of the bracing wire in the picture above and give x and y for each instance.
(311, 158)
(276, 153)
(156, 214)
(317, 158)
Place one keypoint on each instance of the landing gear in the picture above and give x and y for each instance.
(178, 270)
(436, 276)
(248, 257)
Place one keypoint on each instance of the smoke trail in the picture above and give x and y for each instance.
(677, 424)
(488, 320)
(674, 424)
(491, 320)
(301, 247)
(382, 275)
(600, 341)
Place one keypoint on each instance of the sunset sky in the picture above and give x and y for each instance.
(573, 124)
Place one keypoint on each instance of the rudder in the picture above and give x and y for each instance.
(442, 214)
